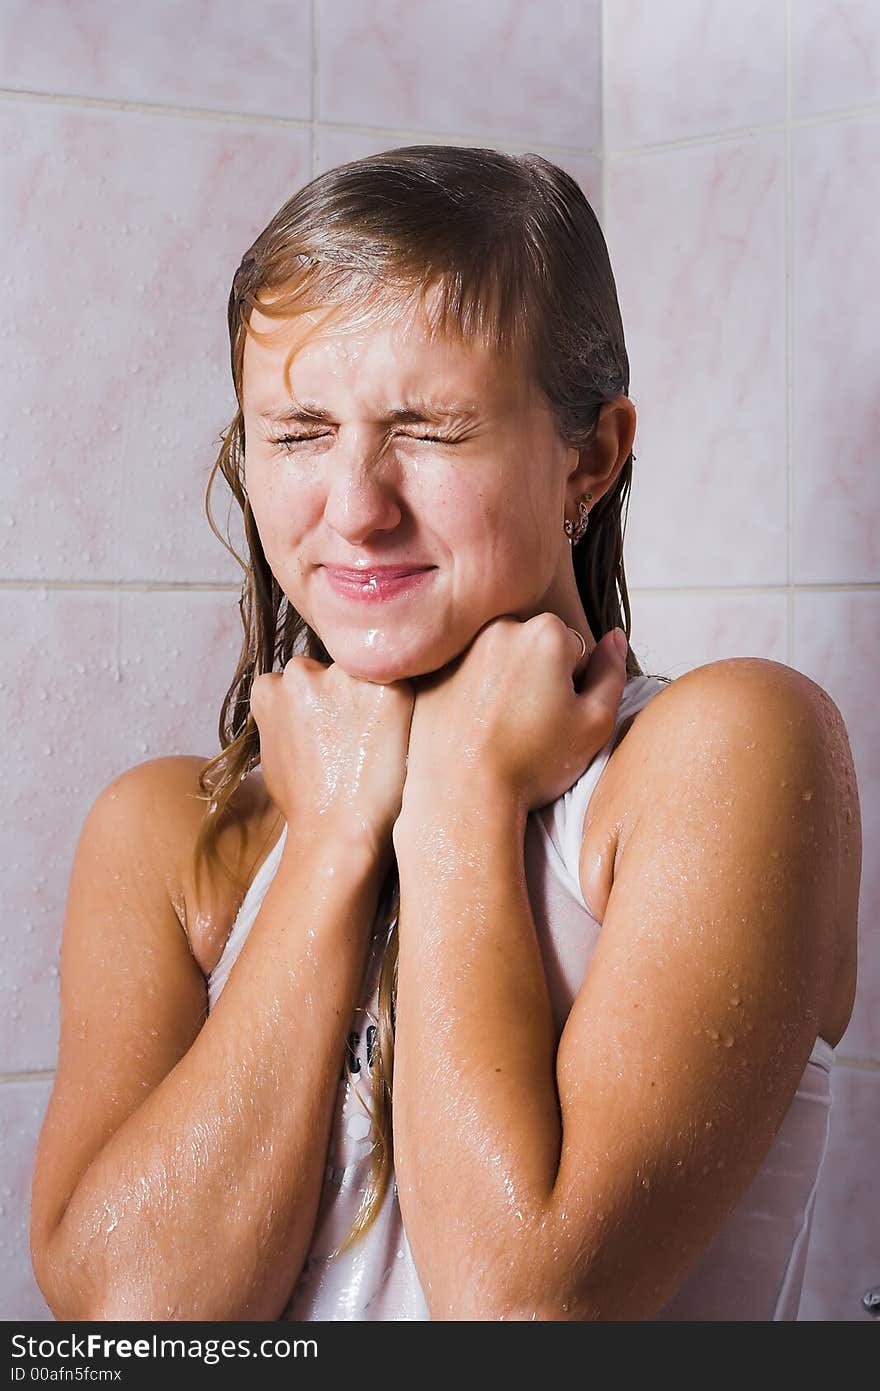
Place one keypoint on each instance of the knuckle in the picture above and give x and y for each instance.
(261, 687)
(298, 665)
(551, 630)
(601, 713)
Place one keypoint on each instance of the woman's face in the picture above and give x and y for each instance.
(470, 487)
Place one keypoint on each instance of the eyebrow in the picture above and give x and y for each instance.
(413, 412)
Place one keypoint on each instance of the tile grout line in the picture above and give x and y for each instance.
(396, 133)
(453, 137)
(789, 238)
(603, 123)
(313, 15)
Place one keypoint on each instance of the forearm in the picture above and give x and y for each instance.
(477, 1130)
(202, 1204)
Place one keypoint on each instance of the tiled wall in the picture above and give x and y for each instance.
(730, 152)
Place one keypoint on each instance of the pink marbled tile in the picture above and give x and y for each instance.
(691, 67)
(107, 681)
(126, 230)
(836, 353)
(22, 1108)
(837, 644)
(499, 68)
(835, 55)
(697, 243)
(254, 58)
(674, 633)
(843, 1259)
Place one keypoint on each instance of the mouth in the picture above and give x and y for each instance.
(377, 585)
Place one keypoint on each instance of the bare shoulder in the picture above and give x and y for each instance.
(758, 737)
(164, 795)
(750, 680)
(746, 711)
(737, 709)
(731, 693)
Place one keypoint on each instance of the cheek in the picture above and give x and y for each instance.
(281, 506)
(494, 547)
(282, 529)
(514, 549)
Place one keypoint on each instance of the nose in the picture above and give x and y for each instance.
(361, 494)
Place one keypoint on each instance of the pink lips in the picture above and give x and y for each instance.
(380, 583)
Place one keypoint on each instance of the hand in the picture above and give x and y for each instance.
(333, 749)
(505, 713)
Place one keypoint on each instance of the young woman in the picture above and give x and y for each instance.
(480, 975)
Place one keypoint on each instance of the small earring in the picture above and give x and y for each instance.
(575, 531)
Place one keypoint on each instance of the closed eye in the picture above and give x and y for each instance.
(287, 441)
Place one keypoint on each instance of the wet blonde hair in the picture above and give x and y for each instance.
(517, 261)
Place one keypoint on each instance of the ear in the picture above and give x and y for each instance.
(597, 464)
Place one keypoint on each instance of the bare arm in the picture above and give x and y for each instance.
(588, 1190)
(202, 1202)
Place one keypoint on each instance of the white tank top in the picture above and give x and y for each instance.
(752, 1270)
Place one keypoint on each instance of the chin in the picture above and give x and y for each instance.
(380, 668)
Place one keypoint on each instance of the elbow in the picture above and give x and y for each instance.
(542, 1309)
(65, 1283)
(550, 1311)
(532, 1300)
(543, 1304)
(65, 1296)
(538, 1295)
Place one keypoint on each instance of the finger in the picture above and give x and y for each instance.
(580, 654)
(605, 679)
